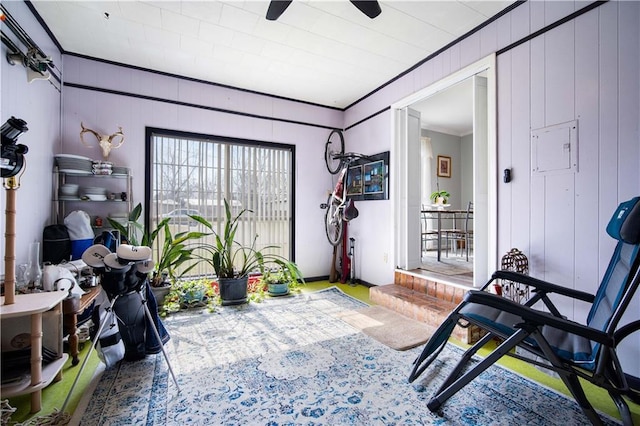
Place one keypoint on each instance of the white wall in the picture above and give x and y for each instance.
(450, 146)
(37, 103)
(146, 99)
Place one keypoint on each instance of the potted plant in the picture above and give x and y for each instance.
(440, 197)
(175, 250)
(280, 280)
(232, 262)
(186, 294)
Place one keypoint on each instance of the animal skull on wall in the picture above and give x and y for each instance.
(106, 142)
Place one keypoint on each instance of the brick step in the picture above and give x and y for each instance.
(431, 287)
(424, 300)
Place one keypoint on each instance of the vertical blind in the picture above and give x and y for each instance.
(193, 176)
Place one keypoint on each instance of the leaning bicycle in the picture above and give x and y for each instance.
(339, 207)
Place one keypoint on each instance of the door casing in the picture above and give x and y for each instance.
(485, 172)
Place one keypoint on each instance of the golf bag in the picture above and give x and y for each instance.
(132, 324)
(126, 286)
(124, 275)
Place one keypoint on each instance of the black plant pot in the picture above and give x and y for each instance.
(233, 291)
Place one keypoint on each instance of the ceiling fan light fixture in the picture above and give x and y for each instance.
(277, 8)
(371, 8)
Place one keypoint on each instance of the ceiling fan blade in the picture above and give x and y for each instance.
(371, 8)
(277, 8)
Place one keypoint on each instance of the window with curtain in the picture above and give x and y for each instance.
(193, 174)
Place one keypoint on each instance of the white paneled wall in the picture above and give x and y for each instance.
(586, 70)
(578, 71)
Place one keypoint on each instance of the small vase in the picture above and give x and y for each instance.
(34, 272)
(49, 275)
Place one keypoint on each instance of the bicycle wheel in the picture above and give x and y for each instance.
(333, 221)
(334, 145)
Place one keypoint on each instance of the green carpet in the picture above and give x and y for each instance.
(54, 395)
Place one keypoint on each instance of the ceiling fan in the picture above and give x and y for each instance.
(371, 8)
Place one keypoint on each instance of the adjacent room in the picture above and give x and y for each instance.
(320, 212)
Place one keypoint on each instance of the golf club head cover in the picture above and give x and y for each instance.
(94, 255)
(142, 271)
(131, 253)
(145, 266)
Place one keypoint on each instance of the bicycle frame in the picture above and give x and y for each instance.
(338, 203)
(340, 190)
(335, 208)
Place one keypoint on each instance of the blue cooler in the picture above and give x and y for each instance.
(79, 246)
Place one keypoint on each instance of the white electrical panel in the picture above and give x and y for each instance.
(554, 149)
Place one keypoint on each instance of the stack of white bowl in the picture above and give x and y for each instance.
(102, 167)
(94, 193)
(69, 163)
(68, 191)
(119, 170)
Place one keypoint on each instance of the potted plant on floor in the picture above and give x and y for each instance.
(232, 262)
(185, 294)
(174, 253)
(280, 280)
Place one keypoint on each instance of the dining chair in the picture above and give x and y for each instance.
(427, 233)
(465, 233)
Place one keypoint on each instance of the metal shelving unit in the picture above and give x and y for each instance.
(63, 205)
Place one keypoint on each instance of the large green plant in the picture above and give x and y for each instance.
(229, 258)
(175, 250)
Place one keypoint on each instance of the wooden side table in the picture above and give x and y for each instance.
(72, 308)
(34, 306)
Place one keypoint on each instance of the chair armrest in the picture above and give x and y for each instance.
(538, 318)
(544, 286)
(626, 330)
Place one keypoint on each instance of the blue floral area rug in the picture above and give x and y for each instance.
(292, 361)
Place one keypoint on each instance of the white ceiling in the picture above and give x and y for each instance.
(449, 111)
(319, 51)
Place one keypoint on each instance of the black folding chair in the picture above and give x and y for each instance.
(571, 349)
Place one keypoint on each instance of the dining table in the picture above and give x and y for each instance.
(441, 212)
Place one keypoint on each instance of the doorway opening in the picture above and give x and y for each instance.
(465, 169)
